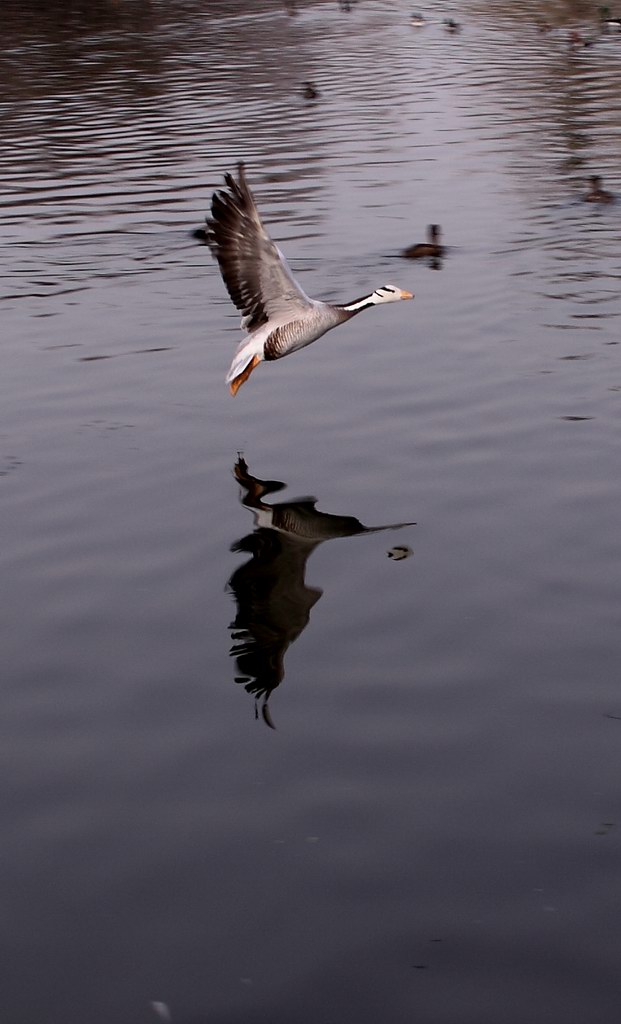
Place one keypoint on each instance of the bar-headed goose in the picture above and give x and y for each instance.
(278, 316)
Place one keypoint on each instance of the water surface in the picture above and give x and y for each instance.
(429, 830)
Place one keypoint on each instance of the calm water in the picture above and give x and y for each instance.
(274, 775)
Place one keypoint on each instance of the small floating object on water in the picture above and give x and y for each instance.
(417, 20)
(577, 41)
(399, 552)
(451, 25)
(432, 247)
(277, 315)
(310, 91)
(200, 234)
(162, 1010)
(596, 193)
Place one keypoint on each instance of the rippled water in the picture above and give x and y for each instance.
(254, 767)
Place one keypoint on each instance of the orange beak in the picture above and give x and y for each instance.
(406, 295)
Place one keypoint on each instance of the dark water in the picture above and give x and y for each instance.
(274, 775)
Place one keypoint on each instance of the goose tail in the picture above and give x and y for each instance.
(248, 355)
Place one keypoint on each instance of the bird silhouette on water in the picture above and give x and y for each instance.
(273, 600)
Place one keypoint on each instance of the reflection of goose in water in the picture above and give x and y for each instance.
(273, 600)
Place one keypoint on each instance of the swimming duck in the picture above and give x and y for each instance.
(432, 247)
(596, 193)
(310, 91)
(607, 22)
(278, 316)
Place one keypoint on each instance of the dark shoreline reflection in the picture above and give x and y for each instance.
(273, 600)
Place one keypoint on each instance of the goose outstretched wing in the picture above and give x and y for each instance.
(253, 268)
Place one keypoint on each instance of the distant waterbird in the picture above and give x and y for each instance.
(432, 247)
(277, 314)
(607, 21)
(310, 91)
(596, 193)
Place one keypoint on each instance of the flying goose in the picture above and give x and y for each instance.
(277, 315)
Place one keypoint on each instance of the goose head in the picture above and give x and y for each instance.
(389, 293)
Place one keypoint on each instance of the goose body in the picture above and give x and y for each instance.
(277, 314)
